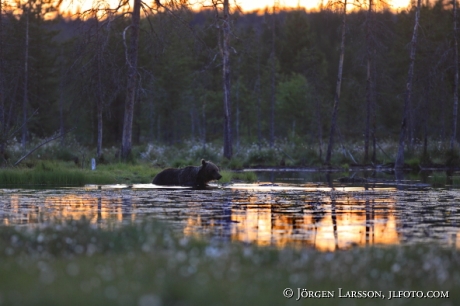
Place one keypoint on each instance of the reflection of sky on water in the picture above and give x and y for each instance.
(319, 217)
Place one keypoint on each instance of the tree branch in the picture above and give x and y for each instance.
(42, 144)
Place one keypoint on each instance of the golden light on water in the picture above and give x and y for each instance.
(334, 229)
(324, 219)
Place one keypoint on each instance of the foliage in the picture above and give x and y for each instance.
(262, 157)
(180, 94)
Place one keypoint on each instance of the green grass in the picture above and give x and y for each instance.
(77, 263)
(54, 173)
(231, 176)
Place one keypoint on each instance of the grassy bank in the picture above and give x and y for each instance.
(284, 153)
(68, 164)
(60, 173)
(55, 173)
(76, 263)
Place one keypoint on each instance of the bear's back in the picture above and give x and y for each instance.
(167, 177)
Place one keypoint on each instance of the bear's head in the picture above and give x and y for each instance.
(209, 171)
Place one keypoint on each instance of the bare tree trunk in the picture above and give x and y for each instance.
(2, 96)
(61, 108)
(152, 122)
(259, 118)
(455, 111)
(131, 59)
(338, 87)
(373, 110)
(25, 100)
(226, 80)
(369, 86)
(320, 128)
(273, 80)
(203, 131)
(99, 100)
(399, 164)
(238, 116)
(192, 121)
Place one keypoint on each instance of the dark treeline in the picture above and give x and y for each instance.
(76, 68)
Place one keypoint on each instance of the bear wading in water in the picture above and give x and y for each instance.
(196, 177)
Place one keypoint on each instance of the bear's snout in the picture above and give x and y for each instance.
(218, 176)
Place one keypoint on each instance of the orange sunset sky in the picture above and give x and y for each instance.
(246, 5)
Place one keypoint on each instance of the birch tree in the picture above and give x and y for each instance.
(399, 164)
(224, 26)
(25, 98)
(369, 78)
(131, 61)
(338, 85)
(455, 111)
(273, 76)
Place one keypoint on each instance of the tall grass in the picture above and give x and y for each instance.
(37, 177)
(46, 173)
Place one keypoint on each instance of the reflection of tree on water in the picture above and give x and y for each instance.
(37, 208)
(328, 222)
(334, 222)
(333, 212)
(322, 218)
(369, 222)
(223, 221)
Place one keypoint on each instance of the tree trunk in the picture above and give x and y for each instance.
(203, 131)
(61, 107)
(373, 110)
(338, 87)
(259, 117)
(132, 82)
(226, 80)
(238, 116)
(399, 164)
(25, 100)
(99, 106)
(2, 96)
(369, 86)
(257, 90)
(273, 82)
(455, 111)
(320, 127)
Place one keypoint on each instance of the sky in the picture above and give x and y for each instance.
(246, 5)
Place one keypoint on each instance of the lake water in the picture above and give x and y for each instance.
(318, 210)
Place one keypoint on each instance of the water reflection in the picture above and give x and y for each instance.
(325, 221)
(31, 207)
(324, 218)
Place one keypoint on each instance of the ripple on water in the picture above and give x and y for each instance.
(321, 217)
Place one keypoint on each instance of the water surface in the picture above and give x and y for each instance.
(324, 216)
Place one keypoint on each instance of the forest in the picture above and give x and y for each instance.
(68, 72)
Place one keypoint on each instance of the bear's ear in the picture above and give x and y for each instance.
(203, 162)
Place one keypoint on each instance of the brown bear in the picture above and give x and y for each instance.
(196, 177)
